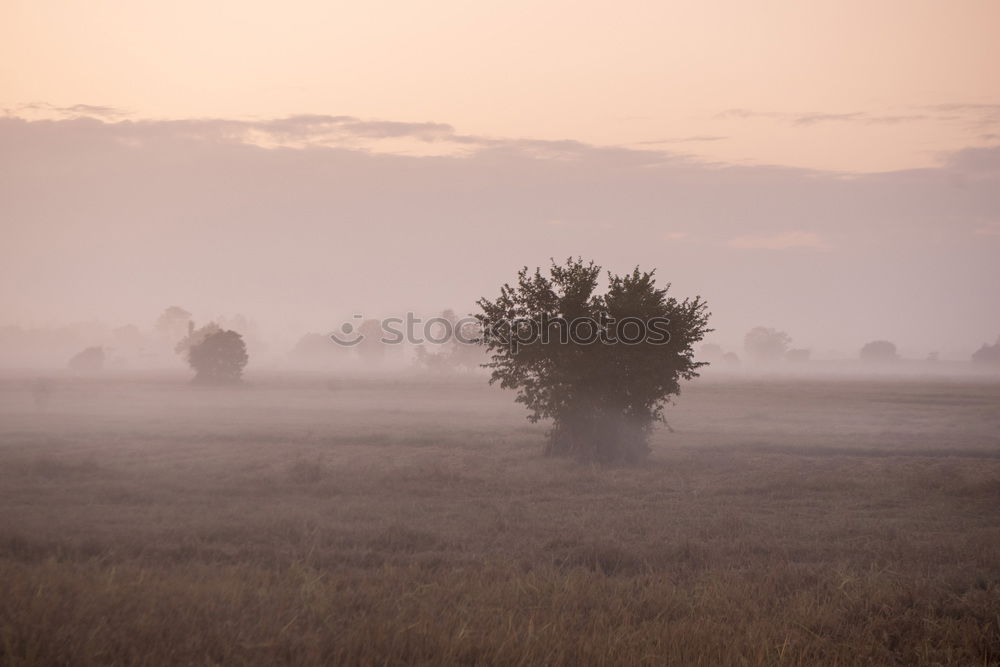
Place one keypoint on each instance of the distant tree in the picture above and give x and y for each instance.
(88, 360)
(766, 345)
(194, 337)
(457, 348)
(879, 351)
(371, 349)
(603, 397)
(437, 362)
(988, 355)
(717, 357)
(461, 347)
(219, 358)
(798, 356)
(173, 324)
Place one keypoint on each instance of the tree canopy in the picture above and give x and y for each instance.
(602, 367)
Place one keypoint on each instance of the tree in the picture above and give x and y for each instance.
(765, 345)
(457, 348)
(173, 324)
(219, 358)
(988, 355)
(713, 355)
(371, 349)
(798, 356)
(194, 337)
(879, 351)
(602, 367)
(88, 360)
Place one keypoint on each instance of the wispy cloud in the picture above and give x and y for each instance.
(318, 127)
(803, 119)
(973, 115)
(980, 114)
(44, 109)
(681, 140)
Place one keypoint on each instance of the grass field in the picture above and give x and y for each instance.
(299, 521)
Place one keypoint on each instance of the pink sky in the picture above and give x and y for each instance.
(846, 85)
(829, 168)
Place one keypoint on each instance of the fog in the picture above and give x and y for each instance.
(107, 223)
(194, 471)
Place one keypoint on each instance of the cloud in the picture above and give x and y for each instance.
(782, 241)
(984, 160)
(865, 118)
(297, 131)
(681, 140)
(322, 130)
(814, 117)
(318, 127)
(976, 115)
(93, 110)
(746, 113)
(44, 109)
(300, 218)
(805, 119)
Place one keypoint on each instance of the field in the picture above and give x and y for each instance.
(297, 520)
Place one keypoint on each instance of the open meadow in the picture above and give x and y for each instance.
(301, 520)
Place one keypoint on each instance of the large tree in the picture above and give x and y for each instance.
(219, 358)
(602, 367)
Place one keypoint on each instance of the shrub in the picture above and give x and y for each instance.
(879, 351)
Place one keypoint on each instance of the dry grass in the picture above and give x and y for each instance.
(794, 522)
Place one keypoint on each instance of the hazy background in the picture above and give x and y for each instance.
(830, 169)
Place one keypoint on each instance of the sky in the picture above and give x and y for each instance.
(828, 168)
